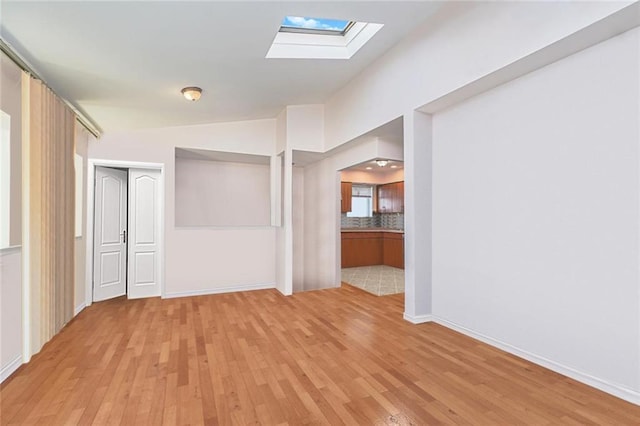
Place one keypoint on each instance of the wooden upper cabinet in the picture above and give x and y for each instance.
(391, 198)
(381, 199)
(398, 199)
(345, 197)
(385, 198)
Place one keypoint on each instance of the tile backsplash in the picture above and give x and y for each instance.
(392, 220)
(379, 220)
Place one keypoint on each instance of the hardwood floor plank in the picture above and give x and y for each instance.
(338, 356)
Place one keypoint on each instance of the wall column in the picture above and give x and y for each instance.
(418, 166)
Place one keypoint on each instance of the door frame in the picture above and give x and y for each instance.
(91, 173)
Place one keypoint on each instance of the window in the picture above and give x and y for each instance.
(300, 24)
(301, 37)
(361, 201)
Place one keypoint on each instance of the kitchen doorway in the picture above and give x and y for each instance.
(372, 226)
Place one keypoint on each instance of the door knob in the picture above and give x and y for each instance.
(124, 236)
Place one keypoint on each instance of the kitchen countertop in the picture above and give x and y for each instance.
(395, 231)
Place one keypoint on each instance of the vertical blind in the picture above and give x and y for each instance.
(49, 127)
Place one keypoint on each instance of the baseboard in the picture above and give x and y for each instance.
(220, 290)
(79, 308)
(417, 319)
(603, 385)
(10, 368)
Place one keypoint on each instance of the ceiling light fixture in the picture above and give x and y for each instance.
(191, 93)
(382, 163)
(394, 166)
(368, 168)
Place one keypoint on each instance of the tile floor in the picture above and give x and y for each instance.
(380, 280)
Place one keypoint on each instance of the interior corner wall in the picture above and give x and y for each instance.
(449, 51)
(208, 259)
(536, 216)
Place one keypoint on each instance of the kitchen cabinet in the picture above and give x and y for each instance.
(393, 249)
(372, 248)
(391, 198)
(361, 249)
(345, 197)
(398, 198)
(384, 199)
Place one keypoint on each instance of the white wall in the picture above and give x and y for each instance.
(305, 127)
(220, 193)
(536, 215)
(462, 43)
(321, 224)
(197, 261)
(10, 311)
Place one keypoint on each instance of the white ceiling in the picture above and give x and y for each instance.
(124, 63)
(362, 167)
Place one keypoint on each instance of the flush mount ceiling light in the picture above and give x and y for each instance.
(382, 163)
(191, 93)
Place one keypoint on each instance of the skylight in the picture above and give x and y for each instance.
(302, 37)
(306, 25)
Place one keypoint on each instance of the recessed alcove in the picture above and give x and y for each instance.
(221, 189)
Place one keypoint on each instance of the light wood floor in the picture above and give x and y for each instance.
(339, 356)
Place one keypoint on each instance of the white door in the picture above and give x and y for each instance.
(144, 238)
(110, 234)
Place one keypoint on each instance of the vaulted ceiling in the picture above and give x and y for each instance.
(124, 63)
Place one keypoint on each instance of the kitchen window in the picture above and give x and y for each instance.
(361, 201)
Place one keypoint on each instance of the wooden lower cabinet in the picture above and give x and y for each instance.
(393, 249)
(372, 248)
(361, 249)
